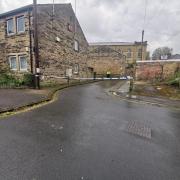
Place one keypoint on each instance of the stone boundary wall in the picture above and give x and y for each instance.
(157, 69)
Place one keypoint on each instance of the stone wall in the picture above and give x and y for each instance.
(16, 44)
(104, 59)
(58, 56)
(157, 69)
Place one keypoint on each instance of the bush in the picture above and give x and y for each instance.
(11, 80)
(28, 80)
(175, 81)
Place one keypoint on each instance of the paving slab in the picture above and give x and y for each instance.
(14, 98)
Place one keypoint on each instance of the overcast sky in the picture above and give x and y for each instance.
(123, 20)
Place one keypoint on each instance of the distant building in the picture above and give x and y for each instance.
(175, 56)
(115, 56)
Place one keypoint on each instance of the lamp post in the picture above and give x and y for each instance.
(36, 45)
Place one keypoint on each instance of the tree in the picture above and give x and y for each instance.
(162, 52)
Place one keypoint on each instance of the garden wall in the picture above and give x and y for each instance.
(157, 69)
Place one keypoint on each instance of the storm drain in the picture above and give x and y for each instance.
(139, 129)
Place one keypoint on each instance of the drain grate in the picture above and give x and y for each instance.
(140, 129)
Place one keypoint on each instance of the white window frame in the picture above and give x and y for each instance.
(11, 63)
(76, 68)
(129, 53)
(8, 26)
(17, 24)
(76, 45)
(19, 58)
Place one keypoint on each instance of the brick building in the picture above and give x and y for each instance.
(62, 44)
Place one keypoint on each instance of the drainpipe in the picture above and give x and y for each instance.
(30, 42)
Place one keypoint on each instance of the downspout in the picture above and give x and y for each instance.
(30, 42)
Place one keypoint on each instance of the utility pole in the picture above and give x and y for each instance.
(142, 44)
(36, 45)
(75, 21)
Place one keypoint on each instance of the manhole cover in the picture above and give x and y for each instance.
(140, 129)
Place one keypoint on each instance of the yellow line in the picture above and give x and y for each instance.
(53, 98)
(26, 109)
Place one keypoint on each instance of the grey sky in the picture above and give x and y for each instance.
(123, 20)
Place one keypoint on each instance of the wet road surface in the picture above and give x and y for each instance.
(90, 135)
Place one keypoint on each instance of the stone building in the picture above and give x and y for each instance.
(104, 59)
(115, 56)
(62, 44)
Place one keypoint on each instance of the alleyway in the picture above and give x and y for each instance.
(90, 135)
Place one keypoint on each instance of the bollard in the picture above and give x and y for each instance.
(94, 75)
(131, 85)
(68, 80)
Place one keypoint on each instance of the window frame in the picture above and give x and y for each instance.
(17, 24)
(76, 68)
(7, 31)
(129, 53)
(19, 61)
(76, 49)
(10, 64)
(70, 27)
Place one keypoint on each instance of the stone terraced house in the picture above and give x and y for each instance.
(62, 44)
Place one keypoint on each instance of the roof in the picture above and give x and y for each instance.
(116, 43)
(15, 11)
(175, 56)
(159, 61)
(24, 9)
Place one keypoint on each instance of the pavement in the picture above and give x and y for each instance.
(121, 89)
(15, 98)
(88, 135)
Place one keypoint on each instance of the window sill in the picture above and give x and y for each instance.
(15, 34)
(21, 32)
(12, 34)
(25, 70)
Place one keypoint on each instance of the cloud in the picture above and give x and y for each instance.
(123, 20)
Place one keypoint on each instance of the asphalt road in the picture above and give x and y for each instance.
(90, 135)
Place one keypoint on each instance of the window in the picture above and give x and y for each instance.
(10, 26)
(76, 68)
(76, 45)
(22, 63)
(13, 62)
(139, 53)
(70, 27)
(20, 24)
(71, 19)
(129, 53)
